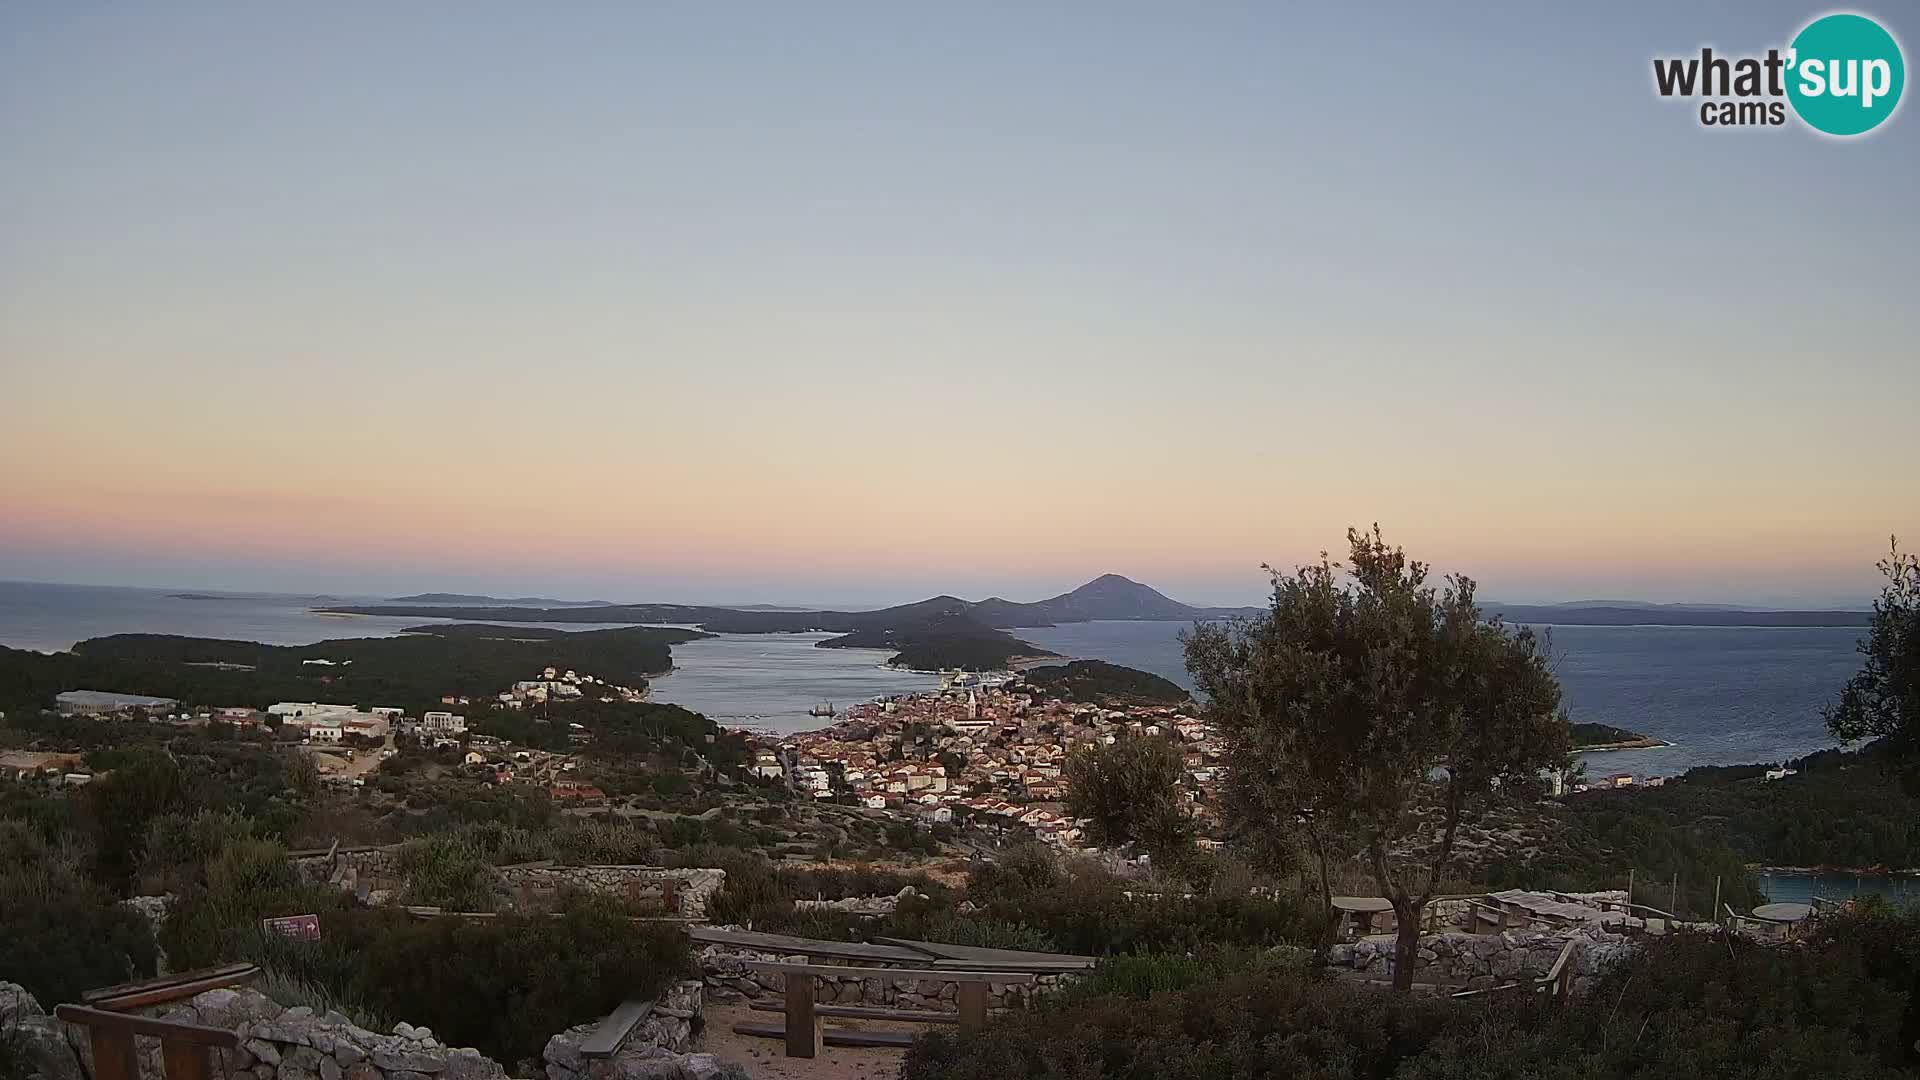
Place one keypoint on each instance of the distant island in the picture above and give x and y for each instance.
(949, 632)
(1590, 737)
(1102, 683)
(939, 632)
(467, 599)
(942, 641)
(413, 671)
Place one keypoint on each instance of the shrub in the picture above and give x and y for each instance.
(1691, 1005)
(1266, 1024)
(178, 847)
(1144, 974)
(218, 918)
(502, 985)
(606, 843)
(61, 933)
(449, 872)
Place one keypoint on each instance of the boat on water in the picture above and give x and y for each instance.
(825, 708)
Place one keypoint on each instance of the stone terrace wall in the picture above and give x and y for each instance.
(373, 874)
(693, 887)
(727, 979)
(1476, 961)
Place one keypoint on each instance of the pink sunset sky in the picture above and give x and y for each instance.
(859, 304)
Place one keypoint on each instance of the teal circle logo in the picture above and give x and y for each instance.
(1845, 74)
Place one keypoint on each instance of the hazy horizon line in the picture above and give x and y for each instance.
(1850, 605)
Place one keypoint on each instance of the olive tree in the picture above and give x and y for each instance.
(1882, 700)
(1371, 711)
(1130, 792)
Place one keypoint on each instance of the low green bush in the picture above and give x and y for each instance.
(449, 872)
(61, 932)
(1846, 1004)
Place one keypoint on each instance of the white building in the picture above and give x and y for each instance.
(442, 723)
(310, 710)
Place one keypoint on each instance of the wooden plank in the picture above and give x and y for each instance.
(1041, 968)
(185, 1060)
(102, 1020)
(183, 984)
(867, 1012)
(831, 1036)
(890, 973)
(944, 951)
(973, 1005)
(802, 1026)
(799, 946)
(113, 1056)
(613, 1031)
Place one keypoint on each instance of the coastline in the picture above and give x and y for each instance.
(1834, 871)
(1630, 744)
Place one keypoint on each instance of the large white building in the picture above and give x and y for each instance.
(442, 723)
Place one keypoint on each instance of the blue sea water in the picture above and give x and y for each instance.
(1721, 695)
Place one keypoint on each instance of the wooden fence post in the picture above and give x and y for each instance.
(803, 1024)
(973, 1005)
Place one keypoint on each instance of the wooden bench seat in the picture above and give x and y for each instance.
(606, 1038)
(831, 1036)
(867, 1012)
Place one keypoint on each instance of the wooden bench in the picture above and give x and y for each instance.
(804, 1034)
(606, 1039)
(123, 997)
(183, 1047)
(865, 1012)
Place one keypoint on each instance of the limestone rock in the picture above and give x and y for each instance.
(44, 1046)
(471, 1064)
(394, 1059)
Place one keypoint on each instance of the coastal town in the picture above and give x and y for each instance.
(985, 749)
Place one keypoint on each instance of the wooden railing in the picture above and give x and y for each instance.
(184, 1048)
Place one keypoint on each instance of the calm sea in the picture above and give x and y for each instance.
(1721, 695)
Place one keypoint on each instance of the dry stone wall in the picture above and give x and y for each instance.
(1476, 961)
(373, 875)
(693, 888)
